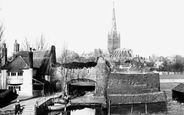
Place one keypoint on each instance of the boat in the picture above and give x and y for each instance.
(58, 106)
(60, 100)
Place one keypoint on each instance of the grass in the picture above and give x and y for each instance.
(171, 76)
(174, 108)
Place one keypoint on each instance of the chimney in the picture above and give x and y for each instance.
(53, 54)
(16, 47)
(3, 55)
(30, 58)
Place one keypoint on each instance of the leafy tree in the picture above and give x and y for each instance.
(178, 67)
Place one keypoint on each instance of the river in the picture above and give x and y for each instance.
(115, 110)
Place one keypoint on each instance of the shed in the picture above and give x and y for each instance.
(178, 93)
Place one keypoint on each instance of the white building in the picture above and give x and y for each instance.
(27, 72)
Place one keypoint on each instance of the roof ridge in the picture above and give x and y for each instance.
(24, 61)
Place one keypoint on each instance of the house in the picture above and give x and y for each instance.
(28, 72)
(178, 93)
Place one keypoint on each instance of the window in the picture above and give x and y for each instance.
(15, 88)
(10, 87)
(20, 73)
(8, 73)
(13, 74)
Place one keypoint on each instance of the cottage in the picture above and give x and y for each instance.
(178, 93)
(27, 72)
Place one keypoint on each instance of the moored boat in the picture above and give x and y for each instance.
(58, 106)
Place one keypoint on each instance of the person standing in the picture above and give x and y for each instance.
(17, 108)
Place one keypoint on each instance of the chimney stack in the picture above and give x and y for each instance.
(30, 58)
(53, 54)
(16, 47)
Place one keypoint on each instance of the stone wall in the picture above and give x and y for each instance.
(98, 73)
(121, 83)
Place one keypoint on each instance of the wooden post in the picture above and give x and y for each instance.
(146, 108)
(109, 108)
(132, 107)
(65, 109)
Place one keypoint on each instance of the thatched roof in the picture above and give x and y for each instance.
(137, 98)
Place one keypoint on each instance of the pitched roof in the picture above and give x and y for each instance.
(41, 61)
(39, 57)
(179, 88)
(12, 67)
(122, 53)
(36, 54)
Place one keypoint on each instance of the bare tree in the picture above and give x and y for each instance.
(41, 43)
(1, 32)
(67, 56)
(64, 54)
(1, 39)
(26, 45)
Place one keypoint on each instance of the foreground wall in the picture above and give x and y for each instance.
(133, 83)
(134, 88)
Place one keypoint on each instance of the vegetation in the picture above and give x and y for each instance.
(40, 44)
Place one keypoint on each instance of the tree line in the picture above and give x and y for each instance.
(176, 64)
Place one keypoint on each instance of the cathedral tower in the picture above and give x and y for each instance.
(113, 36)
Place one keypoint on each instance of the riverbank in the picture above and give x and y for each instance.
(29, 103)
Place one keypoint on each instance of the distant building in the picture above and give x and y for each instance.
(121, 55)
(27, 72)
(113, 36)
(116, 53)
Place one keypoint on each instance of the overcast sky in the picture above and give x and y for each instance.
(146, 26)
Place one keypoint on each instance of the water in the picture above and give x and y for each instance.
(115, 110)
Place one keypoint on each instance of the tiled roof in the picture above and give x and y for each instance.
(179, 88)
(122, 53)
(41, 54)
(16, 65)
(41, 61)
(37, 62)
(39, 57)
(36, 54)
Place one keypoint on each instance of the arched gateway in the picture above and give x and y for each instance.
(81, 86)
(85, 76)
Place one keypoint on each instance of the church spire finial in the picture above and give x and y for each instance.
(113, 18)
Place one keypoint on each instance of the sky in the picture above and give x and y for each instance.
(145, 26)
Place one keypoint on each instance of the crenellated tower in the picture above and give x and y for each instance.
(113, 36)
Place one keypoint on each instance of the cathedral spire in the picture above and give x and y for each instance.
(113, 19)
(113, 36)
